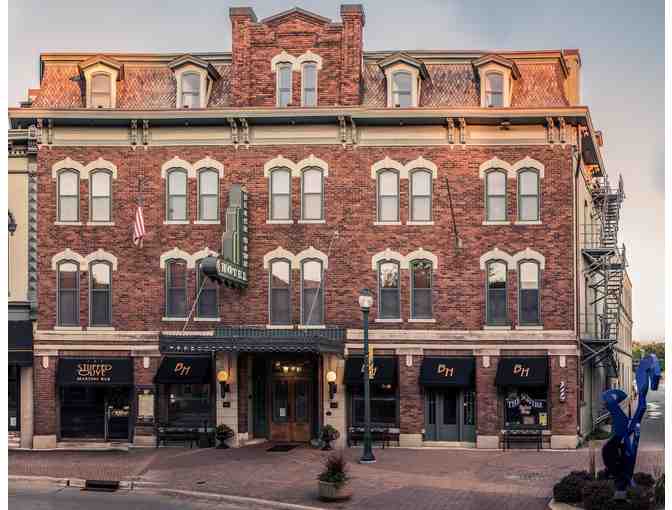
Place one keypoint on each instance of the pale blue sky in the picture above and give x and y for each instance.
(621, 43)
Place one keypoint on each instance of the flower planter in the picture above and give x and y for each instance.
(329, 491)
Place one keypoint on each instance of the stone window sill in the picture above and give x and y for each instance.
(535, 222)
(100, 224)
(68, 223)
(279, 326)
(312, 326)
(496, 223)
(207, 222)
(496, 328)
(67, 328)
(173, 319)
(385, 223)
(389, 321)
(422, 320)
(176, 222)
(207, 319)
(419, 223)
(532, 328)
(315, 222)
(279, 222)
(101, 328)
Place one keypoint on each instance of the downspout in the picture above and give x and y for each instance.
(576, 255)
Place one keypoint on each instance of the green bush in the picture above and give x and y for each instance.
(570, 488)
(644, 479)
(641, 497)
(335, 470)
(598, 495)
(659, 491)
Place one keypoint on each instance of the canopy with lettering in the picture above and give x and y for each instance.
(457, 372)
(95, 371)
(184, 370)
(519, 371)
(385, 370)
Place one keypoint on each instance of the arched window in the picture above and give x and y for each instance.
(312, 302)
(280, 312)
(495, 193)
(309, 84)
(421, 195)
(421, 289)
(528, 195)
(311, 194)
(208, 301)
(177, 194)
(402, 88)
(496, 308)
(101, 91)
(101, 195)
(68, 195)
(176, 288)
(494, 90)
(208, 195)
(191, 90)
(100, 281)
(284, 84)
(388, 289)
(68, 293)
(281, 195)
(529, 302)
(388, 195)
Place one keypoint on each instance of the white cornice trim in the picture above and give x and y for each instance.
(280, 162)
(310, 253)
(68, 254)
(420, 163)
(530, 254)
(422, 254)
(68, 164)
(101, 255)
(497, 254)
(528, 162)
(388, 254)
(176, 253)
(278, 253)
(208, 162)
(309, 56)
(177, 163)
(283, 56)
(493, 163)
(100, 164)
(388, 163)
(311, 161)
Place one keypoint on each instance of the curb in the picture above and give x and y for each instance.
(554, 505)
(60, 482)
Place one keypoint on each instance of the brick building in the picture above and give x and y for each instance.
(444, 181)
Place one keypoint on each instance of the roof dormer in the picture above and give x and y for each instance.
(101, 75)
(403, 74)
(194, 77)
(496, 75)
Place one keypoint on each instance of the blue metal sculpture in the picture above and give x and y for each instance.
(620, 452)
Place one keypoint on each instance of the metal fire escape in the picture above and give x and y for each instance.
(605, 268)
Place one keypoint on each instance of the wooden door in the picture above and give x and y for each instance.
(290, 409)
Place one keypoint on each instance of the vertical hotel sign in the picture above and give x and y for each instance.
(230, 268)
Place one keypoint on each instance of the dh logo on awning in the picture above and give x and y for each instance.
(521, 370)
(182, 369)
(445, 370)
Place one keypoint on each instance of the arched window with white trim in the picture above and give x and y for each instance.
(100, 282)
(494, 90)
(176, 288)
(176, 192)
(421, 289)
(402, 89)
(529, 296)
(309, 84)
(389, 301)
(208, 300)
(528, 195)
(312, 292)
(312, 195)
(496, 309)
(279, 300)
(281, 194)
(101, 91)
(68, 293)
(388, 195)
(68, 195)
(100, 196)
(191, 90)
(208, 194)
(495, 195)
(421, 195)
(284, 84)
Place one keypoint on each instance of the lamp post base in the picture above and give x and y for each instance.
(367, 461)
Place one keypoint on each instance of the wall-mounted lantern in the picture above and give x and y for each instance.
(223, 378)
(331, 379)
(11, 225)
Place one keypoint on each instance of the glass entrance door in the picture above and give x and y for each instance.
(290, 400)
(118, 412)
(449, 415)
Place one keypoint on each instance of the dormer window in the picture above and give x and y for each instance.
(284, 78)
(309, 84)
(402, 89)
(101, 91)
(191, 90)
(494, 90)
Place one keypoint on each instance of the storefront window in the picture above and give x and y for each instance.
(526, 407)
(384, 405)
(13, 401)
(187, 405)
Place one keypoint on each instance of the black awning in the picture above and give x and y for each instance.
(184, 370)
(455, 372)
(95, 371)
(385, 370)
(22, 358)
(532, 371)
(20, 335)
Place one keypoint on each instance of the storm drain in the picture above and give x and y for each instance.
(101, 485)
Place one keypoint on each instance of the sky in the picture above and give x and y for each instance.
(623, 75)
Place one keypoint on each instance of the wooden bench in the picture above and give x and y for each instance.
(382, 436)
(523, 436)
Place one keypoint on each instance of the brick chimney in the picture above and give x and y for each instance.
(241, 19)
(353, 27)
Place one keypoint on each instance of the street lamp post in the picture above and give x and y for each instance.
(365, 302)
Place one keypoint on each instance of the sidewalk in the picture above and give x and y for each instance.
(401, 479)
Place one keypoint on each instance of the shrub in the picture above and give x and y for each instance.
(659, 491)
(641, 497)
(644, 479)
(598, 495)
(335, 470)
(569, 489)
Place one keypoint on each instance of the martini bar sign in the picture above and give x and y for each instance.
(230, 268)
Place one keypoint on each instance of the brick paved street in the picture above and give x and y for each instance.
(402, 478)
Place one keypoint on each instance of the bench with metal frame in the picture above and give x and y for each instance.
(183, 434)
(380, 435)
(534, 436)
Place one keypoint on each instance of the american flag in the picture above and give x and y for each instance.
(138, 227)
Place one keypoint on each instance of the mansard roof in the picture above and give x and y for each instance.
(404, 58)
(490, 58)
(104, 60)
(198, 62)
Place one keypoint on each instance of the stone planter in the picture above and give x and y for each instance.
(328, 491)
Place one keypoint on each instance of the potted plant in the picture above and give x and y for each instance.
(223, 433)
(329, 434)
(333, 481)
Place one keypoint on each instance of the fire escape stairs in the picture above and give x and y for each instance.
(605, 268)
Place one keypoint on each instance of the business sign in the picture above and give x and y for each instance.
(230, 268)
(76, 371)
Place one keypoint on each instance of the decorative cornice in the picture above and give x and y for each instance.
(68, 254)
(176, 253)
(310, 253)
(388, 254)
(497, 254)
(495, 163)
(101, 255)
(208, 162)
(177, 163)
(278, 253)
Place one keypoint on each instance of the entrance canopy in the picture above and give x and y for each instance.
(184, 370)
(456, 372)
(384, 369)
(531, 371)
(95, 372)
(20, 340)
